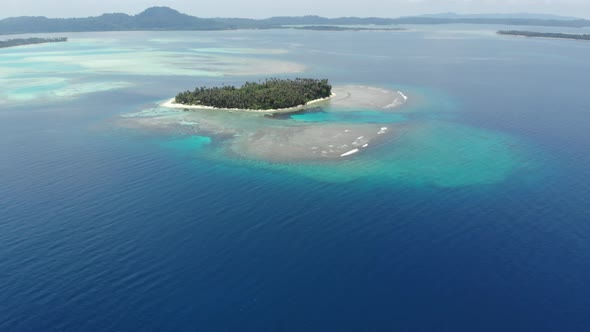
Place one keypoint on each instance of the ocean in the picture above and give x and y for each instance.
(476, 219)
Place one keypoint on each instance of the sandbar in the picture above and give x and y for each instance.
(367, 97)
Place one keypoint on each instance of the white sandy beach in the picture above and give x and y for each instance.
(171, 104)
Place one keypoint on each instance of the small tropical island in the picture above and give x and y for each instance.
(30, 41)
(533, 34)
(293, 135)
(271, 94)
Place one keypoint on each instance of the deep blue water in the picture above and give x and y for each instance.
(107, 229)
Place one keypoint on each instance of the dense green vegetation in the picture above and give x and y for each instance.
(272, 93)
(29, 41)
(545, 34)
(164, 18)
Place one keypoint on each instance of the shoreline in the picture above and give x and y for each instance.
(294, 139)
(171, 104)
(541, 37)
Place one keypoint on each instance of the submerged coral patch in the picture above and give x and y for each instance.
(357, 134)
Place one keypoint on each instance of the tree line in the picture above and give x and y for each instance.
(272, 93)
(545, 34)
(29, 41)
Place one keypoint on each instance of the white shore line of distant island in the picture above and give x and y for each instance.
(170, 103)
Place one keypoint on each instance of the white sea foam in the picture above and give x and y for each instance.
(353, 151)
(187, 123)
(395, 103)
(403, 95)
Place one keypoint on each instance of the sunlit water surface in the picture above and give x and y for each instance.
(472, 215)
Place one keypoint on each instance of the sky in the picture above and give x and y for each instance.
(268, 8)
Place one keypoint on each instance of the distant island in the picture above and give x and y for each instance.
(30, 41)
(168, 19)
(270, 94)
(340, 28)
(533, 34)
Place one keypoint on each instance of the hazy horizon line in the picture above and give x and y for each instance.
(317, 15)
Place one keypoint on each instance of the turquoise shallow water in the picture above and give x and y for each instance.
(189, 144)
(471, 217)
(429, 154)
(426, 147)
(361, 116)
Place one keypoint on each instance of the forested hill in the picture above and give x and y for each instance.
(155, 18)
(164, 18)
(318, 20)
